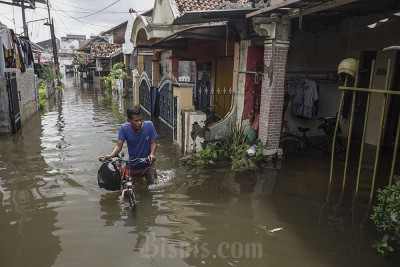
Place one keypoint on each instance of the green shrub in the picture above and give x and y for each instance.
(233, 148)
(386, 217)
(117, 72)
(42, 96)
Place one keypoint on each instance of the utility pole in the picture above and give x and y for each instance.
(53, 41)
(24, 19)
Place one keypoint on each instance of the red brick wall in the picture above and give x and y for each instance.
(272, 93)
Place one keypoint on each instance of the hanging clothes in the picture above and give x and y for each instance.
(19, 61)
(8, 45)
(5, 36)
(304, 93)
(27, 51)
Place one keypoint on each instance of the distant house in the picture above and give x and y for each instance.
(69, 44)
(47, 45)
(116, 35)
(86, 47)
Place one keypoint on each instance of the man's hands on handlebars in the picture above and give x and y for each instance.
(151, 158)
(105, 158)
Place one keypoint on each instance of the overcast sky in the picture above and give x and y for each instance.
(72, 16)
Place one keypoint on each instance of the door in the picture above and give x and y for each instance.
(14, 97)
(223, 86)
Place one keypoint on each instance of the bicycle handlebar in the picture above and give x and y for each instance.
(137, 160)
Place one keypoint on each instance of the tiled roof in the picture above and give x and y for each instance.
(197, 5)
(104, 49)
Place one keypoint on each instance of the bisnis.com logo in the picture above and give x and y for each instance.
(160, 247)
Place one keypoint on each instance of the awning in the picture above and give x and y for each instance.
(180, 39)
(388, 19)
(206, 16)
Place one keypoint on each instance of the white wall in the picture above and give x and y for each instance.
(165, 12)
(69, 44)
(316, 48)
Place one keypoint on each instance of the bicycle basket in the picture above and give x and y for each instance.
(108, 177)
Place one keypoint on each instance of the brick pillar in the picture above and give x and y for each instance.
(272, 93)
(155, 75)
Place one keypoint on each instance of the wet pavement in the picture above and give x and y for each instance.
(52, 212)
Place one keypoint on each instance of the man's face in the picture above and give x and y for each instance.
(136, 121)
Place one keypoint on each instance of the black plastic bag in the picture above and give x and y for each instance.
(108, 177)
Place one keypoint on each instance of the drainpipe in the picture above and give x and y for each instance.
(2, 63)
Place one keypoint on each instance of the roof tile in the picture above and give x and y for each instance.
(197, 5)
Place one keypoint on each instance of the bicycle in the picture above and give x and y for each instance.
(211, 116)
(124, 179)
(292, 141)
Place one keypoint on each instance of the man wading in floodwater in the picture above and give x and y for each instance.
(141, 138)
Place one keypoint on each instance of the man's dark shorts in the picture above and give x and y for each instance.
(150, 173)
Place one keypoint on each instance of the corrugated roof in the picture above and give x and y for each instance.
(198, 5)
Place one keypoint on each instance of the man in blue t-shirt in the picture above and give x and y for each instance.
(141, 138)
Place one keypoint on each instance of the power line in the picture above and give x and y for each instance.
(85, 23)
(65, 26)
(10, 20)
(85, 12)
(75, 6)
(99, 10)
(69, 16)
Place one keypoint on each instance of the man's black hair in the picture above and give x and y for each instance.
(133, 111)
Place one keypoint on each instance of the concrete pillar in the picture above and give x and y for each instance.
(185, 102)
(135, 88)
(127, 62)
(140, 63)
(272, 93)
(174, 65)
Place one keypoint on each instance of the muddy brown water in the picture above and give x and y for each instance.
(52, 212)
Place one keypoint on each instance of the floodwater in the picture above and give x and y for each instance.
(52, 212)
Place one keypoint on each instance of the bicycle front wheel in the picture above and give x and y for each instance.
(291, 143)
(130, 196)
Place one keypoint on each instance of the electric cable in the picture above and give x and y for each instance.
(99, 10)
(103, 12)
(65, 26)
(69, 16)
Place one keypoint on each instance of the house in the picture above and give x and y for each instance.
(18, 84)
(48, 46)
(88, 64)
(267, 48)
(104, 51)
(69, 44)
(200, 54)
(116, 35)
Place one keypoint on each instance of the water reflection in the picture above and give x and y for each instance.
(28, 197)
(52, 212)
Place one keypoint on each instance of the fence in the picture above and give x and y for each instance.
(215, 103)
(386, 94)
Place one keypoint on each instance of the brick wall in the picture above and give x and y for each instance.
(272, 92)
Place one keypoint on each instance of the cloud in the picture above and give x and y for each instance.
(72, 17)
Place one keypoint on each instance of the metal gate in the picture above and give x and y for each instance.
(386, 95)
(14, 97)
(145, 93)
(165, 104)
